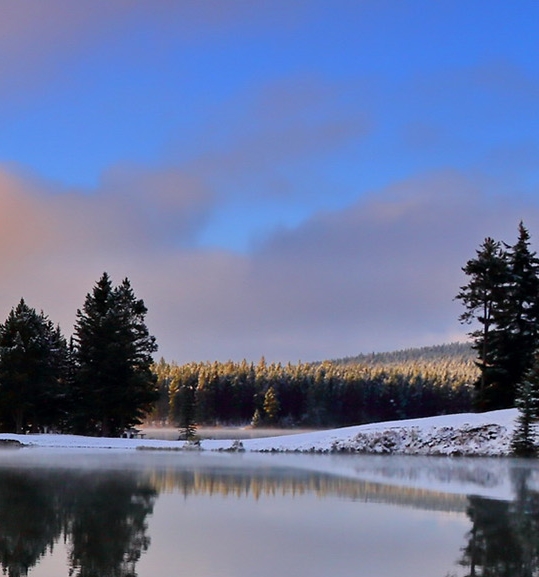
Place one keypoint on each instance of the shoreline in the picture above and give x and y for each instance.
(469, 434)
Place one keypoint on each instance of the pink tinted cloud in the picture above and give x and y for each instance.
(379, 275)
(58, 24)
(27, 227)
(54, 244)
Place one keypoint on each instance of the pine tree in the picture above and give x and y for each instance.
(482, 298)
(256, 421)
(502, 296)
(185, 398)
(33, 370)
(271, 405)
(523, 442)
(518, 317)
(114, 383)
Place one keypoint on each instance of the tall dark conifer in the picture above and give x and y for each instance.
(517, 316)
(502, 296)
(114, 382)
(33, 371)
(482, 298)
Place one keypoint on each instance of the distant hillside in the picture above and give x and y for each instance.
(363, 389)
(453, 352)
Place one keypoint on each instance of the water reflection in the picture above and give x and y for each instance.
(101, 515)
(25, 536)
(97, 513)
(504, 538)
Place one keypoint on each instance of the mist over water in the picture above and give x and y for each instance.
(171, 434)
(125, 514)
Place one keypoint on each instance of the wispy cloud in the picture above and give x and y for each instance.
(380, 274)
(278, 125)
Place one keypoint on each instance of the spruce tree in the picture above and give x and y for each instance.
(33, 371)
(523, 443)
(482, 297)
(502, 296)
(185, 399)
(517, 317)
(114, 383)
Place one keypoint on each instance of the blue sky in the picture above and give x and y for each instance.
(295, 179)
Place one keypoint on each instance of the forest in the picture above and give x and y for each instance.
(405, 384)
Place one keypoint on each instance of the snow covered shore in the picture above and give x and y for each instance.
(470, 434)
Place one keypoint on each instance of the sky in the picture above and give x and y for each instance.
(300, 180)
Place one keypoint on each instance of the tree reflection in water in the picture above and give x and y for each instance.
(100, 514)
(504, 539)
(30, 519)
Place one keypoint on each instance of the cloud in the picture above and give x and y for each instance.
(251, 142)
(27, 228)
(379, 275)
(38, 40)
(164, 205)
(55, 242)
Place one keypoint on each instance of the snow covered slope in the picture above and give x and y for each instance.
(471, 434)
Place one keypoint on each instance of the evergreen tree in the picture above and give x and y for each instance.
(256, 421)
(33, 370)
(184, 392)
(502, 296)
(517, 317)
(271, 405)
(114, 383)
(482, 298)
(523, 442)
(185, 398)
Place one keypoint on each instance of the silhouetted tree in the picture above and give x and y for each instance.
(482, 297)
(502, 296)
(33, 370)
(518, 316)
(115, 386)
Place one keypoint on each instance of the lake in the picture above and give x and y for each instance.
(124, 514)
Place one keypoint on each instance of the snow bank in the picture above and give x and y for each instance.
(470, 434)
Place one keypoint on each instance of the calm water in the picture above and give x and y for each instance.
(110, 514)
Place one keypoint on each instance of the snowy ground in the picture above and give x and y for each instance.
(485, 434)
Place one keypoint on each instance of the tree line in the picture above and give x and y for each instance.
(457, 353)
(323, 394)
(99, 383)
